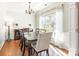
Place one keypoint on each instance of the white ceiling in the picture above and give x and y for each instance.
(39, 5)
(22, 6)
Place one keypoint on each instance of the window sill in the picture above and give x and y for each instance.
(62, 51)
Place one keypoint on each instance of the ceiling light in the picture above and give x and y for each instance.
(29, 10)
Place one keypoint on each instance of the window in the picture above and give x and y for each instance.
(46, 23)
(59, 25)
(53, 23)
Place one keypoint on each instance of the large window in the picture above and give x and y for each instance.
(59, 25)
(46, 22)
(53, 23)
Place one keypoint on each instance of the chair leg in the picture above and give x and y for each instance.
(21, 46)
(47, 51)
(31, 50)
(24, 51)
(20, 43)
(40, 53)
(36, 53)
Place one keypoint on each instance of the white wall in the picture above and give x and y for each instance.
(2, 32)
(71, 23)
(2, 26)
(13, 13)
(23, 20)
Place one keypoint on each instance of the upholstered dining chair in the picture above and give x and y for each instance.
(42, 43)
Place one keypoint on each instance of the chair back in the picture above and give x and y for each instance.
(21, 34)
(43, 41)
(22, 38)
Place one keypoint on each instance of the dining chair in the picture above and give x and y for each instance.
(24, 43)
(42, 43)
(16, 34)
(21, 39)
(27, 44)
(22, 31)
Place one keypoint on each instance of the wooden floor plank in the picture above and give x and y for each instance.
(11, 48)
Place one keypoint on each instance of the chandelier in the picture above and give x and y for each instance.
(29, 10)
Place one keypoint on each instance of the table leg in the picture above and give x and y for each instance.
(29, 51)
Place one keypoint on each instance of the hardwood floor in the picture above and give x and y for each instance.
(11, 48)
